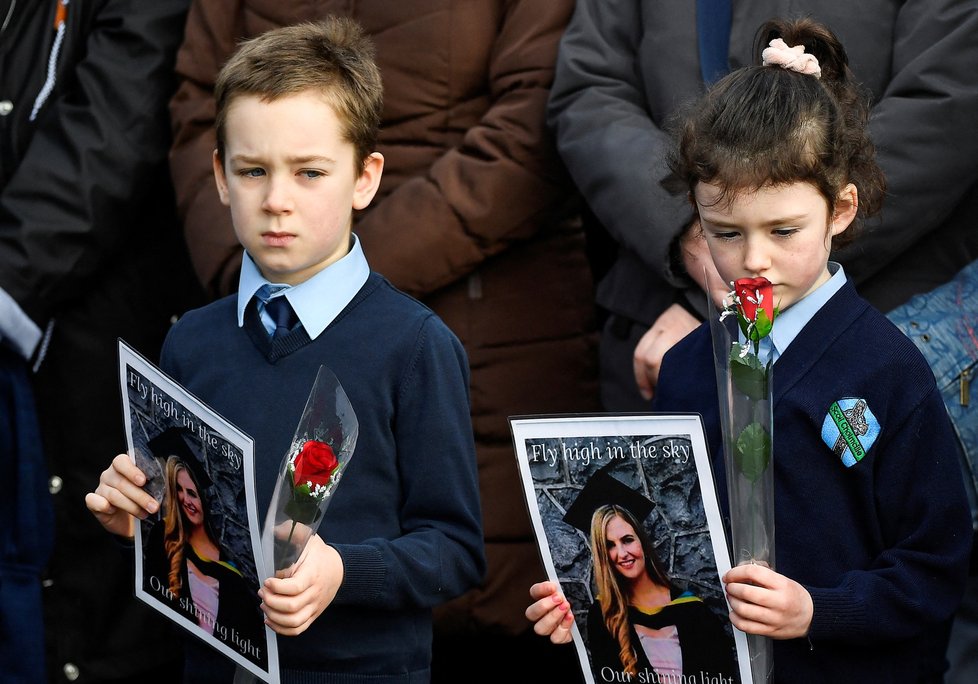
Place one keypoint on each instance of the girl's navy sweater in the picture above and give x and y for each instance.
(881, 546)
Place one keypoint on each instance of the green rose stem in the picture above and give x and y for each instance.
(744, 392)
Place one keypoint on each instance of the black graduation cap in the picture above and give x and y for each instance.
(601, 489)
(172, 442)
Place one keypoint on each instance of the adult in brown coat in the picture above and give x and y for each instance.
(475, 217)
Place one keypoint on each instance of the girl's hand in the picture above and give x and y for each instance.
(292, 603)
(119, 498)
(765, 602)
(550, 612)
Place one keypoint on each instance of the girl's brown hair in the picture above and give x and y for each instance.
(765, 125)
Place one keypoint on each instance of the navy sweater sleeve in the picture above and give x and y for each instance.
(439, 555)
(917, 576)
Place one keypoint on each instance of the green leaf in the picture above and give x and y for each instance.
(743, 322)
(748, 375)
(302, 507)
(763, 324)
(753, 451)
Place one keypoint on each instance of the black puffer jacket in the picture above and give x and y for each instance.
(89, 251)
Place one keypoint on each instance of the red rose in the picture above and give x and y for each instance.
(315, 463)
(755, 293)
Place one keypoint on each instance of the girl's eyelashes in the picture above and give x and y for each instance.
(311, 173)
(251, 172)
(733, 234)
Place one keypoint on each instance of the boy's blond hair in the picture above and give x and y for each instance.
(332, 57)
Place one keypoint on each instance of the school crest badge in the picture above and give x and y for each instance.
(850, 429)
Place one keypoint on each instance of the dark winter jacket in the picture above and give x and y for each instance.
(90, 252)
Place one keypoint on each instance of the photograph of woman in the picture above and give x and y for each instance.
(184, 564)
(641, 623)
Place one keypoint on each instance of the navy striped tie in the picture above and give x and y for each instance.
(281, 313)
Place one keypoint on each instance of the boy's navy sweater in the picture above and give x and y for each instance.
(882, 546)
(407, 519)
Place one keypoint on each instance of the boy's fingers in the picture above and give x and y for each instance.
(749, 626)
(97, 503)
(748, 573)
(125, 495)
(129, 480)
(134, 503)
(286, 614)
(288, 586)
(109, 516)
(121, 484)
(123, 465)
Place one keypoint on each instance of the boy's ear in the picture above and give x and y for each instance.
(221, 180)
(369, 180)
(846, 206)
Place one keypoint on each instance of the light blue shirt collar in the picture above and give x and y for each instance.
(316, 301)
(791, 321)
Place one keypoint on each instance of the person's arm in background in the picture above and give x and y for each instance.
(617, 154)
(676, 322)
(74, 198)
(497, 186)
(924, 130)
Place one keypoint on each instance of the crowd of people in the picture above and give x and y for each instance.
(466, 207)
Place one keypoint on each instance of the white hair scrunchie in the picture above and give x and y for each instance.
(778, 53)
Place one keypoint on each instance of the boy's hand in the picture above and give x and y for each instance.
(120, 496)
(292, 603)
(550, 613)
(767, 603)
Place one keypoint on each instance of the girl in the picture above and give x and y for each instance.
(872, 552)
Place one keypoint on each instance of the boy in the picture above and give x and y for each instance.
(297, 116)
